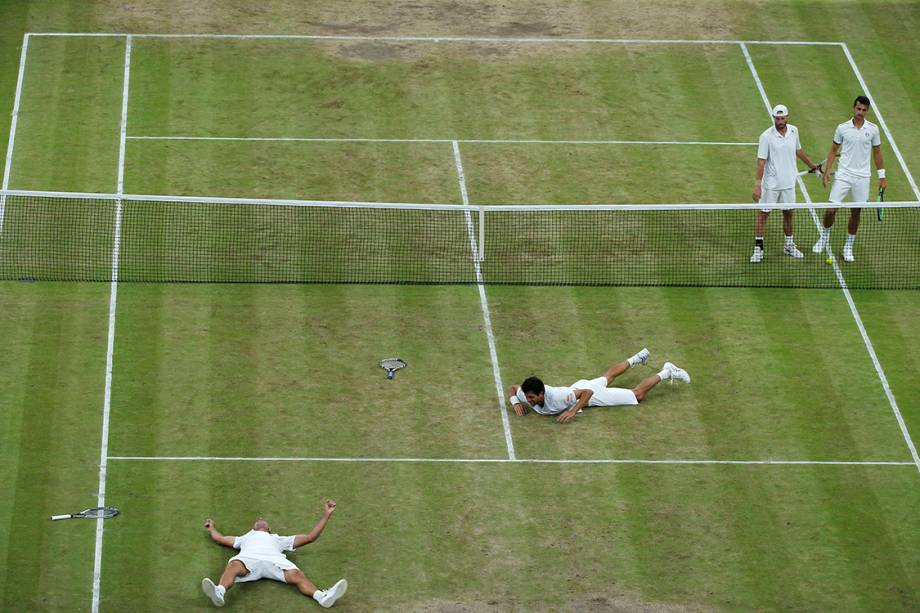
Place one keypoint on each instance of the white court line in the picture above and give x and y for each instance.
(494, 141)
(13, 123)
(450, 39)
(769, 462)
(110, 348)
(881, 120)
(487, 319)
(846, 292)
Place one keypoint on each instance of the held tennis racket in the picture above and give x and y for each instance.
(818, 171)
(391, 365)
(880, 212)
(93, 513)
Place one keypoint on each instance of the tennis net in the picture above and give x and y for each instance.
(98, 237)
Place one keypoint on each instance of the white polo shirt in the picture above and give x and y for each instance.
(779, 152)
(856, 147)
(555, 400)
(260, 545)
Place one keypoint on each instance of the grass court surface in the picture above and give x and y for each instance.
(780, 479)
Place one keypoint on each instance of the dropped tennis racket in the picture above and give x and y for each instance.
(93, 513)
(879, 211)
(391, 365)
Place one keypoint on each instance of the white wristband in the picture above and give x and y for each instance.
(514, 400)
(881, 173)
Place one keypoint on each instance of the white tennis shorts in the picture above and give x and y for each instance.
(777, 196)
(263, 569)
(845, 183)
(605, 396)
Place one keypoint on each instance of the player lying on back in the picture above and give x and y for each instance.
(566, 402)
(262, 557)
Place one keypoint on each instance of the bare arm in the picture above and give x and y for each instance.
(303, 539)
(519, 407)
(582, 398)
(831, 157)
(804, 157)
(879, 165)
(216, 536)
(758, 180)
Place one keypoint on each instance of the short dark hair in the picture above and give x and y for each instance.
(862, 100)
(532, 385)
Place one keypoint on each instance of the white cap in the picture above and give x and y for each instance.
(780, 110)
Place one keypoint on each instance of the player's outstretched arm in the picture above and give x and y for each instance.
(516, 403)
(216, 536)
(303, 539)
(800, 153)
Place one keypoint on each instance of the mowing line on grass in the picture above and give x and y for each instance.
(110, 348)
(13, 122)
(486, 141)
(881, 121)
(769, 462)
(846, 291)
(476, 254)
(453, 39)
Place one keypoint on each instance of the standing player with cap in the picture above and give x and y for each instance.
(853, 139)
(777, 149)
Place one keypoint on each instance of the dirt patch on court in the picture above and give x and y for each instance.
(593, 603)
(511, 18)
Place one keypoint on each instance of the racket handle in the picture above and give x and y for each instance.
(57, 517)
(390, 374)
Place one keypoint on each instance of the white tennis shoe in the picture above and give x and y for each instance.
(820, 245)
(329, 596)
(214, 592)
(848, 253)
(758, 255)
(676, 373)
(791, 250)
(642, 356)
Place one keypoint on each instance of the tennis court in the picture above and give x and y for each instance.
(784, 477)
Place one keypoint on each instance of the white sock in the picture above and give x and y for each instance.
(220, 590)
(318, 595)
(633, 360)
(851, 238)
(789, 240)
(825, 233)
(664, 374)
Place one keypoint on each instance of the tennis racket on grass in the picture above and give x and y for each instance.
(879, 211)
(391, 365)
(93, 513)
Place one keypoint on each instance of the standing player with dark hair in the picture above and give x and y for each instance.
(854, 140)
(566, 402)
(777, 149)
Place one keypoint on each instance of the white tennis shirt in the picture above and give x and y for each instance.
(555, 400)
(856, 147)
(779, 152)
(265, 546)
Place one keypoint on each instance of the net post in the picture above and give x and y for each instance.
(482, 233)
